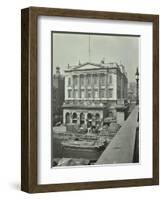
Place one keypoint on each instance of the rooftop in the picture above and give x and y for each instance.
(92, 65)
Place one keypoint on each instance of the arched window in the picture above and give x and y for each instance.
(89, 116)
(74, 118)
(97, 116)
(89, 120)
(67, 118)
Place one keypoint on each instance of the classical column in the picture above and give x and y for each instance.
(85, 86)
(80, 86)
(70, 117)
(84, 118)
(73, 87)
(78, 117)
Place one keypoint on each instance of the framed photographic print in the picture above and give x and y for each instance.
(90, 99)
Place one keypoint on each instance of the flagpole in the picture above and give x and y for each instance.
(89, 50)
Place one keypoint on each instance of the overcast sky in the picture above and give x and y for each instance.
(70, 48)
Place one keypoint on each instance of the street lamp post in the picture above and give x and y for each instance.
(137, 86)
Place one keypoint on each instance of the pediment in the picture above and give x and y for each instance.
(87, 66)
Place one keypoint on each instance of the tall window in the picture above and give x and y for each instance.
(96, 93)
(88, 79)
(82, 94)
(95, 79)
(69, 81)
(89, 93)
(75, 80)
(110, 93)
(102, 93)
(82, 80)
(69, 93)
(75, 93)
(102, 79)
(110, 79)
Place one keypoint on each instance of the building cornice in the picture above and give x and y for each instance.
(106, 67)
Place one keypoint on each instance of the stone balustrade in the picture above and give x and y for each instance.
(122, 147)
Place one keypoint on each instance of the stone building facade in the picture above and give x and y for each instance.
(92, 91)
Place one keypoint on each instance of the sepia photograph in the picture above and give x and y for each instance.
(94, 99)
